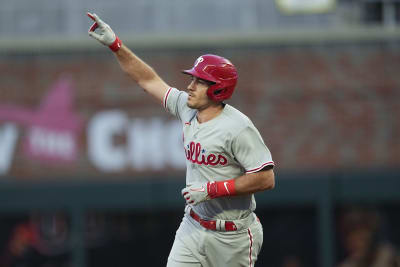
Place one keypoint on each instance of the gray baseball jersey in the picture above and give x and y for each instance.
(225, 147)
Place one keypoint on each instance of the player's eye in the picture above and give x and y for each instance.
(193, 79)
(202, 81)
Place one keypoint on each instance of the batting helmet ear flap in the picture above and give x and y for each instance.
(218, 91)
(219, 94)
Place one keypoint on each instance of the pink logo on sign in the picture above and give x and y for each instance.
(52, 128)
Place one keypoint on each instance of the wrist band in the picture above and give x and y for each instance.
(221, 188)
(116, 45)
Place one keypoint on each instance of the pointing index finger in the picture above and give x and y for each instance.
(90, 15)
(96, 21)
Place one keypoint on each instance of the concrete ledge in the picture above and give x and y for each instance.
(192, 41)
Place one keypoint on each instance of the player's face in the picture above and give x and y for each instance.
(197, 91)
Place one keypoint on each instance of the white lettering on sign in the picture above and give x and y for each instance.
(102, 128)
(150, 144)
(51, 142)
(8, 140)
(145, 143)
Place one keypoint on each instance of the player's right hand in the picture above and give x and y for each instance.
(196, 193)
(105, 34)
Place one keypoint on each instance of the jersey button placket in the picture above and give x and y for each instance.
(196, 130)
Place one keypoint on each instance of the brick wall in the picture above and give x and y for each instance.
(318, 108)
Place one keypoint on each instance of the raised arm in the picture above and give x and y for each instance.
(131, 64)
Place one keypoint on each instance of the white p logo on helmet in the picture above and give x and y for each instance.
(199, 60)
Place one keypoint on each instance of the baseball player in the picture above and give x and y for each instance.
(227, 160)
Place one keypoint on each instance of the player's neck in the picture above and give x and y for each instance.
(209, 113)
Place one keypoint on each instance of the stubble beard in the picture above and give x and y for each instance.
(190, 105)
(197, 106)
(193, 105)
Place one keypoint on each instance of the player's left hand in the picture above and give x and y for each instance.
(196, 193)
(105, 34)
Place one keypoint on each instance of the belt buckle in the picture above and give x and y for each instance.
(211, 224)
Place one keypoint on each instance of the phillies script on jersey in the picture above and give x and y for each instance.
(196, 154)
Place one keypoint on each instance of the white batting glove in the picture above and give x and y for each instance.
(195, 193)
(105, 34)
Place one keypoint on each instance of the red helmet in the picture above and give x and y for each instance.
(217, 70)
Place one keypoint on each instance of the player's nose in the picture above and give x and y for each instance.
(191, 86)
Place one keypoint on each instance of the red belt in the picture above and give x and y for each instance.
(212, 224)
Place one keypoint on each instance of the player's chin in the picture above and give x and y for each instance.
(190, 104)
